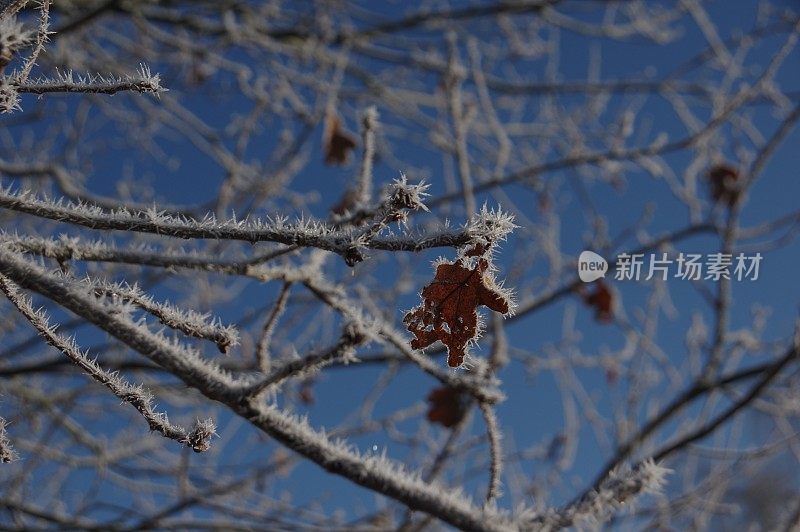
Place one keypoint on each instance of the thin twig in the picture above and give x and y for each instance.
(495, 451)
(262, 348)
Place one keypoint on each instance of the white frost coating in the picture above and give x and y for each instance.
(380, 472)
(490, 225)
(187, 321)
(14, 37)
(115, 318)
(303, 232)
(621, 486)
(64, 249)
(7, 452)
(9, 97)
(134, 394)
(67, 81)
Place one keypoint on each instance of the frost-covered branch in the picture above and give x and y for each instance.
(352, 336)
(185, 320)
(495, 452)
(400, 198)
(376, 473)
(373, 471)
(621, 487)
(369, 124)
(481, 390)
(7, 452)
(65, 249)
(304, 232)
(511, 105)
(68, 82)
(183, 361)
(10, 7)
(137, 396)
(41, 39)
(264, 339)
(14, 36)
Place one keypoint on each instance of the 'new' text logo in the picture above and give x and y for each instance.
(591, 266)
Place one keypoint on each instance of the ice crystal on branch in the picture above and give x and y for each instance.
(489, 227)
(133, 394)
(199, 439)
(67, 81)
(622, 486)
(9, 97)
(187, 321)
(13, 36)
(7, 452)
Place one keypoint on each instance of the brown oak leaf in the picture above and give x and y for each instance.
(449, 309)
(448, 406)
(336, 143)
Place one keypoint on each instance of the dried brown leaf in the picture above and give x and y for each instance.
(449, 312)
(722, 180)
(602, 299)
(336, 143)
(448, 406)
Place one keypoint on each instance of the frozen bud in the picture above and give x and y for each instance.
(352, 256)
(406, 196)
(354, 334)
(199, 439)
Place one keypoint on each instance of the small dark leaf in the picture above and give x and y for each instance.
(336, 143)
(448, 406)
(723, 183)
(602, 299)
(306, 392)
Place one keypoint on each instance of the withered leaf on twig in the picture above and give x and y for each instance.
(448, 406)
(602, 300)
(306, 391)
(449, 309)
(723, 183)
(336, 143)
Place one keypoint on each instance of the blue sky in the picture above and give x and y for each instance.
(533, 412)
